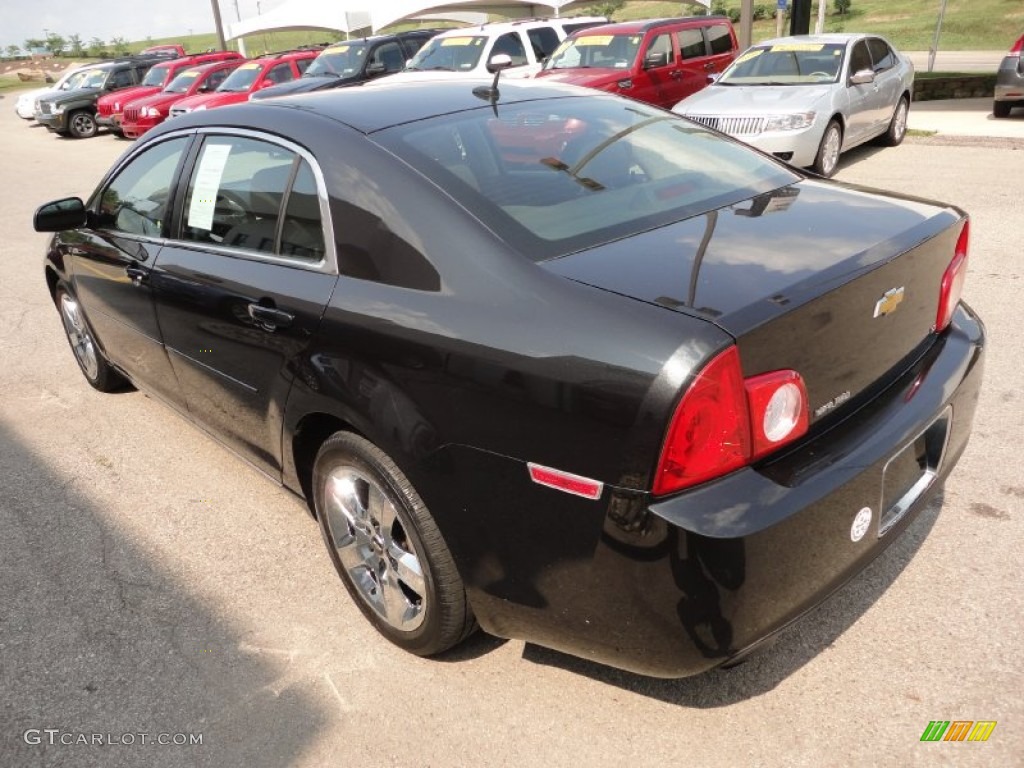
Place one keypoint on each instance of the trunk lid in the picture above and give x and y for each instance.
(836, 282)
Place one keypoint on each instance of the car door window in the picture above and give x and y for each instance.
(136, 200)
(661, 44)
(544, 41)
(881, 54)
(860, 58)
(120, 79)
(388, 54)
(691, 43)
(280, 73)
(214, 79)
(303, 64)
(511, 44)
(719, 39)
(235, 194)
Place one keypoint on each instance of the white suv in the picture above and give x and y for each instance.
(468, 51)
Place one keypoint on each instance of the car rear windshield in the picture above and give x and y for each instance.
(786, 64)
(560, 175)
(612, 51)
(342, 60)
(456, 54)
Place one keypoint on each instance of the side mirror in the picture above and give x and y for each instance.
(862, 77)
(376, 68)
(713, 77)
(654, 60)
(498, 62)
(59, 215)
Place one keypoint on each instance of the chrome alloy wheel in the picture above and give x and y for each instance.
(375, 548)
(899, 122)
(79, 336)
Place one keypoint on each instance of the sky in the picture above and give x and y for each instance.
(106, 19)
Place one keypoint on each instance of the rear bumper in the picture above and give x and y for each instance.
(685, 584)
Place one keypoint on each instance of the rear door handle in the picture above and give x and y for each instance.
(269, 318)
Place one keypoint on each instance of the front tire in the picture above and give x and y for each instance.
(82, 125)
(100, 374)
(894, 136)
(1001, 108)
(387, 548)
(827, 159)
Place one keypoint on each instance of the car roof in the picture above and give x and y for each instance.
(830, 37)
(381, 104)
(498, 27)
(642, 25)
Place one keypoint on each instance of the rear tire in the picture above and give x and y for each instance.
(894, 136)
(100, 374)
(1001, 109)
(387, 548)
(827, 159)
(82, 125)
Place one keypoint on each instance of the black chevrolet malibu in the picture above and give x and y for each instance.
(546, 361)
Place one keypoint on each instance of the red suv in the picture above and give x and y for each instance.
(149, 111)
(110, 107)
(253, 75)
(660, 61)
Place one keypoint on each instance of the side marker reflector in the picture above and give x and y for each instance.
(564, 481)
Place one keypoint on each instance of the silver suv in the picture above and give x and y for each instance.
(1010, 81)
(468, 51)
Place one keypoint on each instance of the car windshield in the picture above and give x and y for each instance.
(341, 60)
(610, 51)
(74, 81)
(242, 79)
(158, 76)
(786, 64)
(182, 82)
(556, 176)
(452, 53)
(94, 78)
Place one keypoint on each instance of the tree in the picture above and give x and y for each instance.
(120, 46)
(13, 51)
(97, 48)
(34, 42)
(55, 43)
(843, 7)
(606, 8)
(75, 42)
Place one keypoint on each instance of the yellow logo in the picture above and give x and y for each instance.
(889, 301)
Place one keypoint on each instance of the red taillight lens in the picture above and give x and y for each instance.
(953, 281)
(724, 422)
(1016, 49)
(778, 410)
(710, 430)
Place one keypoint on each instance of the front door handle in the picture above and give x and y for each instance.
(138, 276)
(269, 318)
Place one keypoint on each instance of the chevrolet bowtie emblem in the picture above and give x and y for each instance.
(889, 301)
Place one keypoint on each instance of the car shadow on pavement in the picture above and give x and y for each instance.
(859, 154)
(99, 641)
(796, 645)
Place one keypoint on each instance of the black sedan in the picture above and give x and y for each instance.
(552, 362)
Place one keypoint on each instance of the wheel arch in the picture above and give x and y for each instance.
(309, 434)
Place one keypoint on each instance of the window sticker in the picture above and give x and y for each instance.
(191, 72)
(250, 65)
(456, 41)
(786, 47)
(204, 193)
(750, 55)
(337, 49)
(594, 40)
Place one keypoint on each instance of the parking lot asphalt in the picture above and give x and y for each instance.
(151, 583)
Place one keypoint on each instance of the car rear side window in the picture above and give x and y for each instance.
(302, 235)
(691, 43)
(236, 193)
(136, 201)
(719, 39)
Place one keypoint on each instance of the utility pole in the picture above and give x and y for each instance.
(220, 27)
(820, 28)
(935, 43)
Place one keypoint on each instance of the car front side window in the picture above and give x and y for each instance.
(136, 201)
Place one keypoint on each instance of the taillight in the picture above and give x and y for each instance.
(1016, 49)
(953, 281)
(724, 422)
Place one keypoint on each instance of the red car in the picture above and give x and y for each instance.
(253, 75)
(659, 61)
(149, 111)
(110, 107)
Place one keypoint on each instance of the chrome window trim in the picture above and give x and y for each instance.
(327, 265)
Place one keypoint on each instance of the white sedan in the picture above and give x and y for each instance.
(26, 102)
(807, 99)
